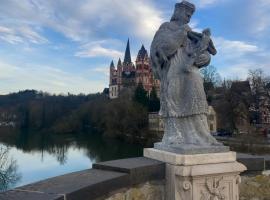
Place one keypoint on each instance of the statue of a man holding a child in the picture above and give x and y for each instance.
(177, 54)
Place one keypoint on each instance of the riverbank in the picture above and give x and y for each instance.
(53, 155)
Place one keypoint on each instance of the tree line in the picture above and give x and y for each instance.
(238, 103)
(125, 117)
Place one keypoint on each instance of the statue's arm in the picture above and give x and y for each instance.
(194, 36)
(212, 48)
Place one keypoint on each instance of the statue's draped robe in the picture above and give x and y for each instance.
(182, 92)
(176, 60)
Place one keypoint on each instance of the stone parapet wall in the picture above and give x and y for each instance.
(147, 191)
(128, 179)
(133, 179)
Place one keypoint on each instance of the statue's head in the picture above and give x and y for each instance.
(207, 32)
(183, 12)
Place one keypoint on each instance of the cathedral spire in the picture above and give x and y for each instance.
(127, 59)
(119, 63)
(142, 54)
(112, 64)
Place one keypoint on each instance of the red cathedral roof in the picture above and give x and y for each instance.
(142, 54)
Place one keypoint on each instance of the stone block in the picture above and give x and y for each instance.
(106, 178)
(191, 149)
(267, 164)
(253, 164)
(79, 185)
(147, 191)
(29, 195)
(197, 159)
(201, 176)
(140, 169)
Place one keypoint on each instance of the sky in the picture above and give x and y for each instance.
(62, 46)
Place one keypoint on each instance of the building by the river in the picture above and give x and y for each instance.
(155, 122)
(126, 74)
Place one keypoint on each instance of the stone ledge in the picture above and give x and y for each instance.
(93, 183)
(140, 169)
(253, 164)
(28, 195)
(198, 159)
(210, 169)
(78, 185)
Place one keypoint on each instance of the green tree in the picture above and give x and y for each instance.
(154, 102)
(125, 119)
(140, 95)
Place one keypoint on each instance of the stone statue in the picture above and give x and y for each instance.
(177, 54)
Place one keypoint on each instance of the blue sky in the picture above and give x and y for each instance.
(64, 46)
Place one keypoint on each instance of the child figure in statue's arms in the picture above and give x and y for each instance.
(204, 47)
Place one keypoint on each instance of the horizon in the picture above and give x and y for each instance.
(62, 48)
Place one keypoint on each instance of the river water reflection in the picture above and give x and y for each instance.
(30, 157)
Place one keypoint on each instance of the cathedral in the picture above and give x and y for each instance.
(128, 75)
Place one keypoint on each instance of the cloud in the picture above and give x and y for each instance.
(234, 48)
(46, 78)
(30, 35)
(103, 70)
(236, 70)
(5, 30)
(205, 3)
(236, 58)
(84, 20)
(21, 34)
(6, 71)
(253, 20)
(98, 51)
(259, 13)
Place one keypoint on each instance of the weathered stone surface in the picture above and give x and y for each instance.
(208, 181)
(200, 177)
(87, 183)
(209, 169)
(191, 149)
(197, 159)
(253, 163)
(91, 184)
(28, 195)
(267, 164)
(257, 187)
(147, 191)
(266, 173)
(140, 169)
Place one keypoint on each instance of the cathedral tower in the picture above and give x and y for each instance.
(144, 73)
(129, 71)
(113, 87)
(126, 75)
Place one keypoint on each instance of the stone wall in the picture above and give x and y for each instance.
(255, 188)
(147, 191)
(127, 179)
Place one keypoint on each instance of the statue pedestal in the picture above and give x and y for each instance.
(213, 176)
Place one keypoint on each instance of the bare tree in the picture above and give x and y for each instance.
(210, 75)
(8, 170)
(258, 80)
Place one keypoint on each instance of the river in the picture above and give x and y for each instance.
(29, 157)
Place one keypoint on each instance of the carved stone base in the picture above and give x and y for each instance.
(191, 149)
(201, 176)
